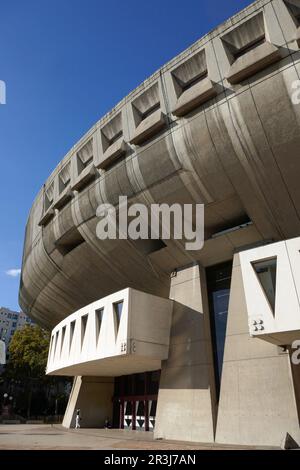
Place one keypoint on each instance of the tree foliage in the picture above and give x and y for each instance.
(24, 377)
(28, 352)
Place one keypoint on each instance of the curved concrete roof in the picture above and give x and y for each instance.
(216, 125)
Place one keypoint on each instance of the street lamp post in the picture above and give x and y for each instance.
(5, 407)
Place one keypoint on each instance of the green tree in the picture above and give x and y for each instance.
(37, 392)
(28, 352)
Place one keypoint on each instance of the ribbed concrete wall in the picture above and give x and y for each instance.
(230, 140)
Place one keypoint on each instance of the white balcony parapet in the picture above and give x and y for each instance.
(124, 333)
(271, 278)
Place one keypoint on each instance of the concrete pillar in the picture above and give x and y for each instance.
(93, 395)
(186, 398)
(257, 402)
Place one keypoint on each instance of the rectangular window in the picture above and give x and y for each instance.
(69, 241)
(245, 37)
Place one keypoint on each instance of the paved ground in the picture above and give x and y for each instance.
(29, 436)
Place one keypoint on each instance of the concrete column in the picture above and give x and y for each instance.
(93, 395)
(257, 402)
(186, 399)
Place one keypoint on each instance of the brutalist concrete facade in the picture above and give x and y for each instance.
(216, 125)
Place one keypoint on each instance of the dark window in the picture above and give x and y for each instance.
(139, 383)
(56, 341)
(98, 318)
(153, 382)
(63, 334)
(118, 307)
(249, 47)
(146, 247)
(294, 11)
(51, 345)
(266, 273)
(84, 320)
(218, 288)
(194, 80)
(72, 328)
(69, 241)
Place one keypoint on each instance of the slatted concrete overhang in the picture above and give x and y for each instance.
(216, 125)
(124, 333)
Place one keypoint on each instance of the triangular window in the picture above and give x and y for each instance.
(98, 318)
(266, 274)
(118, 308)
(84, 319)
(72, 328)
(63, 333)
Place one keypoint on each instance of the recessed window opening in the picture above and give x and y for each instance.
(148, 246)
(218, 288)
(294, 11)
(64, 177)
(85, 156)
(116, 137)
(237, 224)
(98, 317)
(84, 320)
(68, 242)
(63, 184)
(63, 334)
(266, 271)
(72, 328)
(51, 345)
(151, 110)
(193, 81)
(87, 162)
(249, 47)
(56, 341)
(118, 309)
(49, 196)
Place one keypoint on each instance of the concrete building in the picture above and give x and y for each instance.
(11, 321)
(196, 345)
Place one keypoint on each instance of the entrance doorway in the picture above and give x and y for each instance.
(135, 401)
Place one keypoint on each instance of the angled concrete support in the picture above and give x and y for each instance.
(186, 399)
(93, 396)
(257, 400)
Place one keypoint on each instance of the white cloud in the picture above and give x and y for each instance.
(13, 272)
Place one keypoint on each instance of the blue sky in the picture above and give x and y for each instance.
(65, 64)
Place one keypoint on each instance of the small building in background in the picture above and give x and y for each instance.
(10, 321)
